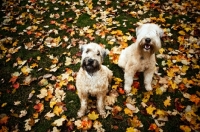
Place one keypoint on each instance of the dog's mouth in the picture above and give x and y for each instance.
(147, 46)
(90, 65)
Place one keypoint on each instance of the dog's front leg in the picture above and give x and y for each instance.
(128, 77)
(148, 75)
(83, 100)
(100, 104)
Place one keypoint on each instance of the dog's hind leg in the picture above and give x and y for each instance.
(148, 75)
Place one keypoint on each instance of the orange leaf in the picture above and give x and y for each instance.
(13, 79)
(194, 98)
(152, 127)
(4, 119)
(121, 91)
(39, 107)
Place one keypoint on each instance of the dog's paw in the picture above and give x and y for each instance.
(148, 88)
(127, 90)
(80, 114)
(103, 114)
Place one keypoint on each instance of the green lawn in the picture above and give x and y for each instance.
(40, 56)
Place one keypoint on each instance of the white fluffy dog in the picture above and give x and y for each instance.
(140, 56)
(93, 78)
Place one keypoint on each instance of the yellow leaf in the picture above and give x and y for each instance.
(26, 70)
(4, 104)
(159, 91)
(57, 110)
(169, 63)
(134, 91)
(128, 111)
(167, 102)
(52, 103)
(34, 65)
(185, 68)
(160, 112)
(131, 129)
(181, 32)
(147, 96)
(93, 116)
(185, 128)
(161, 50)
(170, 73)
(150, 109)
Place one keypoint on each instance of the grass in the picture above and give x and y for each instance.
(180, 21)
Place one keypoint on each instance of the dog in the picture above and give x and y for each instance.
(93, 78)
(140, 56)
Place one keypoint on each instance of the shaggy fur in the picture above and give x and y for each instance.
(140, 56)
(93, 78)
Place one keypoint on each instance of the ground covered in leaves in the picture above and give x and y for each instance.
(40, 56)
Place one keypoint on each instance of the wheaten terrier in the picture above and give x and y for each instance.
(140, 56)
(93, 78)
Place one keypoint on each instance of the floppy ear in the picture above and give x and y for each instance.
(138, 30)
(82, 47)
(160, 31)
(104, 52)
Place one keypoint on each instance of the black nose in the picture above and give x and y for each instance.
(90, 61)
(147, 40)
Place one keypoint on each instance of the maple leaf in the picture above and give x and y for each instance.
(49, 115)
(128, 112)
(93, 116)
(131, 129)
(135, 122)
(185, 128)
(39, 107)
(153, 127)
(57, 110)
(26, 70)
(13, 79)
(194, 98)
(16, 85)
(150, 109)
(59, 122)
(3, 119)
(167, 102)
(43, 93)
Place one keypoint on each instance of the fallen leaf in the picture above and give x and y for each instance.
(167, 102)
(150, 109)
(93, 116)
(39, 107)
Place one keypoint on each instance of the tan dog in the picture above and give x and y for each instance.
(93, 78)
(140, 56)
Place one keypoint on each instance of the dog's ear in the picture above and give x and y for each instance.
(82, 47)
(138, 30)
(160, 31)
(104, 52)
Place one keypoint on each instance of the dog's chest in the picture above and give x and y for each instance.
(95, 84)
(144, 64)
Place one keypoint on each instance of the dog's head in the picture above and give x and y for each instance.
(92, 57)
(148, 37)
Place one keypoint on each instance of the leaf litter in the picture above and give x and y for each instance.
(39, 56)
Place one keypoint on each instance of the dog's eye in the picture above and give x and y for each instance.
(88, 50)
(98, 53)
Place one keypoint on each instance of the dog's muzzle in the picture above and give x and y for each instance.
(90, 65)
(147, 45)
